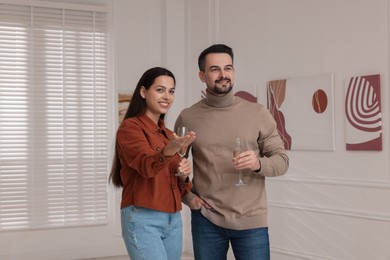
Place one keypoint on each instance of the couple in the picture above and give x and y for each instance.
(146, 165)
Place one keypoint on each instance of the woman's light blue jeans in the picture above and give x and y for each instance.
(151, 234)
(211, 242)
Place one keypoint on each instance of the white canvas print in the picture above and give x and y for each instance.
(303, 110)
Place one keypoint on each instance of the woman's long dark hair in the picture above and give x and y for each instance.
(137, 107)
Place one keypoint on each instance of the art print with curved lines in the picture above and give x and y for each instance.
(303, 110)
(363, 114)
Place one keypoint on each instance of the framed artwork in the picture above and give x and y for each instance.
(123, 105)
(303, 110)
(363, 113)
(246, 95)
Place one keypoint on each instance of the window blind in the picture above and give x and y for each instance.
(53, 117)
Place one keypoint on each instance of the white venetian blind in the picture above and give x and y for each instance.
(53, 117)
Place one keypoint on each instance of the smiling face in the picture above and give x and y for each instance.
(159, 97)
(218, 74)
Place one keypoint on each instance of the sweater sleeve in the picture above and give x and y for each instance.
(273, 156)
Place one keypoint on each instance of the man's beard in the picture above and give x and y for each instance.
(221, 91)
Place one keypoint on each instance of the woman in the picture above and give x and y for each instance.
(145, 165)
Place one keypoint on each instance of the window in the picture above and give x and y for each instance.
(53, 117)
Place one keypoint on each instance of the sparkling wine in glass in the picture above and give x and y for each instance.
(238, 147)
(182, 131)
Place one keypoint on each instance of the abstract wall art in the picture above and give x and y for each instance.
(363, 113)
(123, 105)
(246, 95)
(303, 110)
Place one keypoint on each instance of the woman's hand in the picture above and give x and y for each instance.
(185, 168)
(176, 142)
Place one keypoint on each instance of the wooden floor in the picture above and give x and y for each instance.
(125, 257)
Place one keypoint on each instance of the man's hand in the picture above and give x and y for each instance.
(247, 160)
(196, 203)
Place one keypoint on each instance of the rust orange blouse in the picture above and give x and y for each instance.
(148, 176)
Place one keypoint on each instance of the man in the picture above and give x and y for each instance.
(221, 211)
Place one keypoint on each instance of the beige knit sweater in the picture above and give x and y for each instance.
(217, 121)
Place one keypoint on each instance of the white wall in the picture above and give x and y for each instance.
(137, 42)
(330, 205)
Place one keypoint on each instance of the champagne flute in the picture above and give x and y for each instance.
(182, 131)
(238, 147)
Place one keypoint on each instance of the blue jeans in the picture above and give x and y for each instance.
(151, 234)
(211, 242)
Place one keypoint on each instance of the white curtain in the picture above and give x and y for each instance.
(53, 117)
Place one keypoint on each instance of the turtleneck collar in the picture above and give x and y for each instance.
(219, 101)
